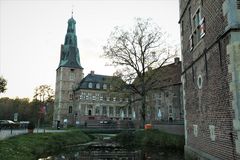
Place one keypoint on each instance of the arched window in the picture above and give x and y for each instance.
(90, 85)
(98, 86)
(104, 86)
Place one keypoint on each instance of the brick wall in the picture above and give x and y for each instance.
(209, 115)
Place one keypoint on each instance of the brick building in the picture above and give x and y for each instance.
(164, 99)
(210, 44)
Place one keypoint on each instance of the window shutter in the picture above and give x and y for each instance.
(202, 27)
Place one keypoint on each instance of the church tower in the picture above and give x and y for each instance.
(69, 74)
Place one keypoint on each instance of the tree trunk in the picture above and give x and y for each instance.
(143, 113)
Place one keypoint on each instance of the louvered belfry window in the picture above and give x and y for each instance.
(238, 4)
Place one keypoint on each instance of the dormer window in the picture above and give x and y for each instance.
(104, 86)
(98, 86)
(90, 85)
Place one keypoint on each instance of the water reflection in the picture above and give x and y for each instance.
(114, 153)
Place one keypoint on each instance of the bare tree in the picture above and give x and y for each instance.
(43, 93)
(136, 51)
(3, 84)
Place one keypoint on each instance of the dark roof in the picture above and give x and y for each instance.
(69, 51)
(169, 74)
(163, 76)
(95, 79)
(110, 81)
(69, 57)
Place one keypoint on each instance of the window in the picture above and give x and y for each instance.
(97, 111)
(196, 19)
(71, 96)
(196, 22)
(90, 85)
(72, 75)
(170, 110)
(212, 132)
(98, 86)
(111, 110)
(70, 109)
(90, 96)
(198, 29)
(104, 110)
(159, 113)
(117, 111)
(199, 81)
(202, 27)
(104, 86)
(195, 130)
(81, 97)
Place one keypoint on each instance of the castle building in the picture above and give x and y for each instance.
(210, 45)
(79, 99)
(96, 98)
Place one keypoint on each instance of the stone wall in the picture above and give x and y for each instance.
(66, 79)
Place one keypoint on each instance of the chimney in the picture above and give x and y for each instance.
(176, 60)
(92, 73)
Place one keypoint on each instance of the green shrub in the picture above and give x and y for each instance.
(150, 138)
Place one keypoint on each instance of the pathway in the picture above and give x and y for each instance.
(8, 133)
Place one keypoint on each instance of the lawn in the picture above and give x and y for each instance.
(32, 146)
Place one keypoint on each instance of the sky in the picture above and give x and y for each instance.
(32, 31)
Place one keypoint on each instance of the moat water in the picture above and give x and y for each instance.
(110, 153)
(107, 150)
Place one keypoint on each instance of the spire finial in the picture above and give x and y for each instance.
(72, 11)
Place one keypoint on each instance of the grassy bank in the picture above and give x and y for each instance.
(150, 138)
(31, 146)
